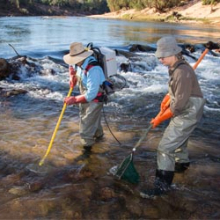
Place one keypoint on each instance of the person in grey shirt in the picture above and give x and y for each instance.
(183, 105)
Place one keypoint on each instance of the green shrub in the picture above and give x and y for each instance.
(160, 5)
(210, 2)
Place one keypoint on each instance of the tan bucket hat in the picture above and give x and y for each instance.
(167, 46)
(77, 54)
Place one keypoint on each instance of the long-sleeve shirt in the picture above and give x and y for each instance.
(183, 84)
(90, 80)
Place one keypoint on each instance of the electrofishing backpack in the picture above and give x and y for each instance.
(106, 59)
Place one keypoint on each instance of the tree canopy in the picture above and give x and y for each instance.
(159, 5)
(78, 6)
(94, 6)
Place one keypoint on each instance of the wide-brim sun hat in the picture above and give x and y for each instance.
(167, 46)
(77, 54)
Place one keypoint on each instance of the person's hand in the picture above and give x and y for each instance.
(72, 76)
(70, 100)
(75, 100)
(162, 117)
(164, 105)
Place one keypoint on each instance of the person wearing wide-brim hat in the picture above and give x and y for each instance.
(89, 100)
(183, 105)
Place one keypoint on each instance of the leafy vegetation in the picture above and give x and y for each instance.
(159, 5)
(91, 6)
(210, 2)
(77, 6)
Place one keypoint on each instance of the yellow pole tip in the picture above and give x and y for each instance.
(41, 163)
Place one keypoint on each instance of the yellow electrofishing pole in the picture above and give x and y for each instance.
(55, 130)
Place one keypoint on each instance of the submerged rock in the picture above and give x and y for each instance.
(18, 68)
(14, 92)
(4, 71)
(19, 191)
(107, 193)
(14, 67)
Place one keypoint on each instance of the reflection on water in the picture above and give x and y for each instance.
(57, 33)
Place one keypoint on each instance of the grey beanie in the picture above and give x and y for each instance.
(167, 46)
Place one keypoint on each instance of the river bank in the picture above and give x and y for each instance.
(194, 12)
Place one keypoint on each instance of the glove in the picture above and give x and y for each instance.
(72, 75)
(161, 117)
(165, 104)
(75, 100)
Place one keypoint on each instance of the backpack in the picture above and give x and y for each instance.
(107, 86)
(106, 59)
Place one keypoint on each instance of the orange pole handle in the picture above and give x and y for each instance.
(200, 58)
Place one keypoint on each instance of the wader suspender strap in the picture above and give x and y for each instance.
(182, 63)
(99, 97)
(88, 68)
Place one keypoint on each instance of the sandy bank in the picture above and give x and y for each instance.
(195, 12)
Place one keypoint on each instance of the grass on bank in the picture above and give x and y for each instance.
(164, 18)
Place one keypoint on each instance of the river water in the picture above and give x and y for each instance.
(72, 184)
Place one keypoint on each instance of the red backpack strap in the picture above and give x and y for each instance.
(88, 68)
(90, 65)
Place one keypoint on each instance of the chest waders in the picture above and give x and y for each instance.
(90, 126)
(173, 145)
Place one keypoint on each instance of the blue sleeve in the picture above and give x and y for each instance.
(95, 78)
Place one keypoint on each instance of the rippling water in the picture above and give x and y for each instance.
(75, 185)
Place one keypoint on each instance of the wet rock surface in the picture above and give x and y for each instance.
(84, 190)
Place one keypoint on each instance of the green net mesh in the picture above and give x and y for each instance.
(127, 171)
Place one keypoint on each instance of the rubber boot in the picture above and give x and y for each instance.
(87, 147)
(181, 167)
(163, 181)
